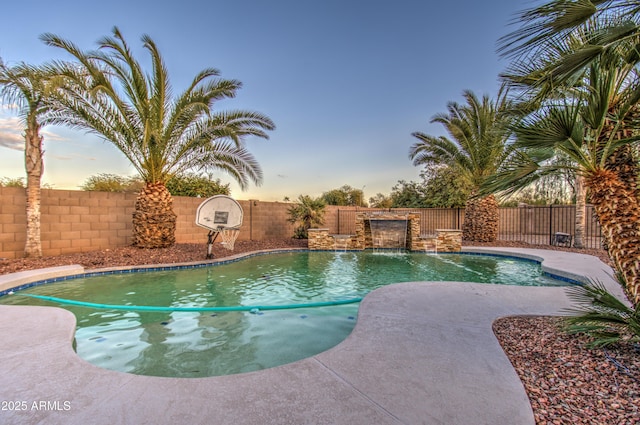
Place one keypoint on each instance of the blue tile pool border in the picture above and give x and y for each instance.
(256, 254)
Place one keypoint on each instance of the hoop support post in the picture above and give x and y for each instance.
(211, 237)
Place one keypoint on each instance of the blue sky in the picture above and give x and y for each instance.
(346, 82)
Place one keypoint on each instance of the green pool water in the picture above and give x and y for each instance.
(198, 344)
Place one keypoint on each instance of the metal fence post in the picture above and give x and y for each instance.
(550, 224)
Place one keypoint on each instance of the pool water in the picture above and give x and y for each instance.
(199, 344)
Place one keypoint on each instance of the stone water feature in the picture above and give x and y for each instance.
(387, 230)
(382, 230)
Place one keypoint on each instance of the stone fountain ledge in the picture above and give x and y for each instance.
(444, 240)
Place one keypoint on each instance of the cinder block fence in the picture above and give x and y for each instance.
(78, 221)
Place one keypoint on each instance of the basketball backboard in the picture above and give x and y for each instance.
(219, 212)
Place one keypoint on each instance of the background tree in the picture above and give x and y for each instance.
(105, 182)
(197, 186)
(479, 132)
(380, 201)
(180, 185)
(408, 194)
(344, 196)
(440, 187)
(109, 93)
(307, 213)
(29, 88)
(444, 188)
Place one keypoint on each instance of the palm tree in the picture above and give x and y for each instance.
(537, 84)
(109, 94)
(308, 212)
(29, 87)
(597, 125)
(593, 30)
(478, 146)
(586, 128)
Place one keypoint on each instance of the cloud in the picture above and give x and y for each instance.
(11, 133)
(50, 136)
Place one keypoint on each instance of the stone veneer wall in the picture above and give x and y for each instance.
(449, 240)
(363, 228)
(445, 240)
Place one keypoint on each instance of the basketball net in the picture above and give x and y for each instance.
(229, 237)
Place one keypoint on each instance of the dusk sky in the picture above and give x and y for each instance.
(346, 82)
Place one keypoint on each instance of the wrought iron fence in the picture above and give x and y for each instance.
(536, 225)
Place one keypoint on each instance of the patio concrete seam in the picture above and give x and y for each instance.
(358, 391)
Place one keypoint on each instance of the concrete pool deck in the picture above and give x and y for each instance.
(421, 353)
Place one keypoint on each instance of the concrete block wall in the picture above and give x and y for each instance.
(265, 220)
(71, 221)
(13, 221)
(79, 221)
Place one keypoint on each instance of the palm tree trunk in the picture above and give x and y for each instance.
(623, 162)
(581, 216)
(34, 166)
(154, 222)
(619, 217)
(481, 217)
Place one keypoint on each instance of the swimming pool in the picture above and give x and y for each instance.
(197, 344)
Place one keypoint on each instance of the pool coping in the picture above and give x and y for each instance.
(421, 352)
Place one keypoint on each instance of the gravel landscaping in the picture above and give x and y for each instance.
(566, 382)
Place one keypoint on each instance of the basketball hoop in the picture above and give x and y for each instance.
(222, 215)
(229, 236)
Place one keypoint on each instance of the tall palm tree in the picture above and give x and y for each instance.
(605, 37)
(476, 148)
(586, 128)
(29, 87)
(110, 94)
(595, 30)
(536, 81)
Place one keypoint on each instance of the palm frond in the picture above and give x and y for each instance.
(236, 161)
(602, 315)
(545, 24)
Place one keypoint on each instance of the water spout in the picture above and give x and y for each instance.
(388, 231)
